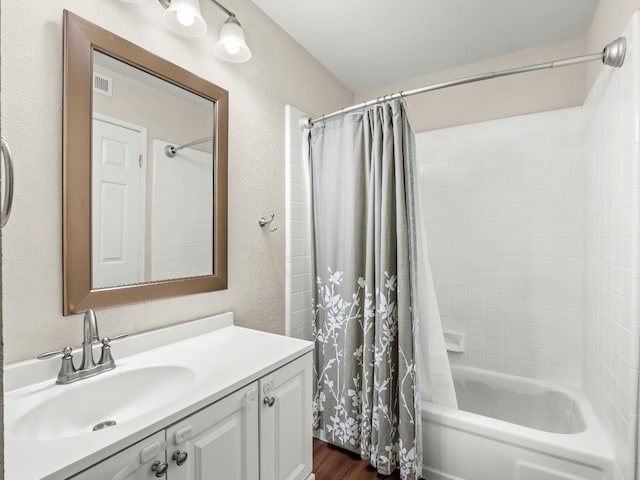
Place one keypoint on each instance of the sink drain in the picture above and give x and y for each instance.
(103, 425)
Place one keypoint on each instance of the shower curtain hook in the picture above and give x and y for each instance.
(263, 222)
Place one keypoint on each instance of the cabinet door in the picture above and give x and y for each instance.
(285, 422)
(221, 441)
(133, 463)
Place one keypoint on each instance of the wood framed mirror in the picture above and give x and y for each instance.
(145, 146)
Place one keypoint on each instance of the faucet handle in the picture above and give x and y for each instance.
(105, 356)
(67, 369)
(65, 352)
(117, 337)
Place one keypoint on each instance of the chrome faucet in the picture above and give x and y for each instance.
(89, 337)
(88, 366)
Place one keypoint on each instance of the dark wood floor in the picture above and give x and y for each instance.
(333, 463)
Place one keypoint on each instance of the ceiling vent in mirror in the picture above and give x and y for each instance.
(102, 84)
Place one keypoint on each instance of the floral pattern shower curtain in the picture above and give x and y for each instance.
(366, 397)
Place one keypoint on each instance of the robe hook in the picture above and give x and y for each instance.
(263, 222)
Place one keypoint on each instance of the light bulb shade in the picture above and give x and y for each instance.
(232, 47)
(184, 18)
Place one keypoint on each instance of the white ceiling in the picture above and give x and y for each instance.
(372, 43)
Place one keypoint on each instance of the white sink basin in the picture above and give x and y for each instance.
(116, 396)
(162, 377)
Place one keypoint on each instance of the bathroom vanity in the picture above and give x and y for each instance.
(200, 400)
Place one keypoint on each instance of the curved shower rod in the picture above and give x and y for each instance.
(613, 55)
(170, 151)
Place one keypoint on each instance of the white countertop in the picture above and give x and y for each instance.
(222, 356)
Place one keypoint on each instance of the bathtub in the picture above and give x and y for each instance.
(512, 428)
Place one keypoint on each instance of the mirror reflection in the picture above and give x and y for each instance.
(152, 177)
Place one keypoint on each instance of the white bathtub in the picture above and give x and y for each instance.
(512, 428)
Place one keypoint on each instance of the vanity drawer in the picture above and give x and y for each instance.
(133, 463)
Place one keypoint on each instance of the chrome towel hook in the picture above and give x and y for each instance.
(263, 222)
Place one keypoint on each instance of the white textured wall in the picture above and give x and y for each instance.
(503, 206)
(280, 72)
(299, 274)
(612, 333)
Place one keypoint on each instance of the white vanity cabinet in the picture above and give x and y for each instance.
(259, 432)
(133, 463)
(221, 441)
(235, 403)
(285, 422)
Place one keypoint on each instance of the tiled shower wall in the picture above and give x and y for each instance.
(182, 208)
(504, 211)
(612, 328)
(299, 317)
(534, 237)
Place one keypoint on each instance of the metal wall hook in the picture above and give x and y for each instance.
(263, 221)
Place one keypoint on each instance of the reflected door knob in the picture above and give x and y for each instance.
(160, 468)
(180, 457)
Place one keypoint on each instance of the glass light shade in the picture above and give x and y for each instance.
(184, 18)
(232, 47)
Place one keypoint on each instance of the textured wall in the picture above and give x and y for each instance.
(503, 206)
(280, 72)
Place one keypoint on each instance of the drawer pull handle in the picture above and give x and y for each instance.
(160, 468)
(180, 457)
(269, 401)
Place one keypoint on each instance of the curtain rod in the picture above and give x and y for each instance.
(171, 150)
(612, 55)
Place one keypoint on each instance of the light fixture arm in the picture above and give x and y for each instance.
(224, 9)
(165, 4)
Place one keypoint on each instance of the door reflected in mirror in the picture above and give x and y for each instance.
(152, 178)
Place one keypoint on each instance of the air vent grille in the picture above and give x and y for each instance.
(102, 84)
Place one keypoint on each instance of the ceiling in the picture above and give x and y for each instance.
(372, 43)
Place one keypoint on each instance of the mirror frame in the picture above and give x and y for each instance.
(81, 38)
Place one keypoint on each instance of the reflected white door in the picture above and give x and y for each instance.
(118, 202)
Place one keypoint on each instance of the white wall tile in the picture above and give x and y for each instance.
(611, 254)
(181, 234)
(504, 212)
(298, 312)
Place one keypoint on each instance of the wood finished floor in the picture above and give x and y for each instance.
(333, 463)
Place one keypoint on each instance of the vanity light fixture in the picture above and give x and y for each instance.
(184, 18)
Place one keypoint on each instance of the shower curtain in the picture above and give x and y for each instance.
(365, 257)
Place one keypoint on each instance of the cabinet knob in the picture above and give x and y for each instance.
(160, 468)
(180, 457)
(269, 401)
